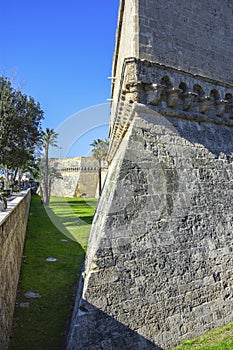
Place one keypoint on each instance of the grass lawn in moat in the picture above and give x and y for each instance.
(62, 231)
(59, 232)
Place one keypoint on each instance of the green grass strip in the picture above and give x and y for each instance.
(216, 339)
(73, 217)
(44, 324)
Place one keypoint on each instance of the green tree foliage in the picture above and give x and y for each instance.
(20, 126)
(100, 152)
(100, 149)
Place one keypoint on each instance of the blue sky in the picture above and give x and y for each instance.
(60, 52)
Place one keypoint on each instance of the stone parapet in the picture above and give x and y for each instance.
(13, 223)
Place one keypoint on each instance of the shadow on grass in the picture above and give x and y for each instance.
(60, 223)
(73, 217)
(87, 219)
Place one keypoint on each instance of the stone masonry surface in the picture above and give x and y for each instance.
(159, 263)
(172, 31)
(13, 223)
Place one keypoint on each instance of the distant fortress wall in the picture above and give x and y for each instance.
(79, 177)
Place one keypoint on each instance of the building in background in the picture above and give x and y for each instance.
(78, 177)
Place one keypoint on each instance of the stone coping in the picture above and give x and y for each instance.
(12, 204)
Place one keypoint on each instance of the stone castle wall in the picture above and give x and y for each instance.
(13, 223)
(195, 37)
(79, 177)
(159, 263)
(171, 32)
(127, 19)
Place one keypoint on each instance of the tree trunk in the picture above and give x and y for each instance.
(6, 178)
(49, 189)
(42, 193)
(100, 179)
(46, 175)
(19, 178)
(15, 174)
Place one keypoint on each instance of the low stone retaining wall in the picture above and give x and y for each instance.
(13, 223)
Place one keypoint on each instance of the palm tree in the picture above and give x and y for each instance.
(49, 139)
(100, 151)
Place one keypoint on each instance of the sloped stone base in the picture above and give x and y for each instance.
(159, 262)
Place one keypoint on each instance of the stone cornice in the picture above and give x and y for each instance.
(172, 93)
